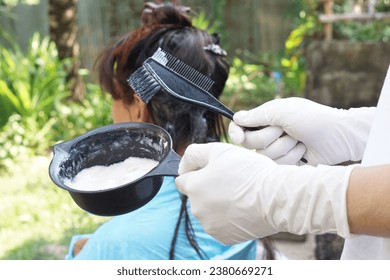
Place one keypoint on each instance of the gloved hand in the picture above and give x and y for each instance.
(239, 195)
(318, 133)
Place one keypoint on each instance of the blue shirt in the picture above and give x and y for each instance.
(146, 234)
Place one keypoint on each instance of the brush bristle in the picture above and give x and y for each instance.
(143, 84)
(183, 70)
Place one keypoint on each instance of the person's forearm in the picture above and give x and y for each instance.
(368, 200)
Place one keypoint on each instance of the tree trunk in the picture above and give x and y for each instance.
(63, 31)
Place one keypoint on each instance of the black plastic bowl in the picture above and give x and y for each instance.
(111, 144)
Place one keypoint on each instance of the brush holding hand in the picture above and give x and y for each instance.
(317, 133)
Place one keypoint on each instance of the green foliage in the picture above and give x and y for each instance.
(201, 21)
(217, 9)
(20, 139)
(18, 2)
(305, 14)
(212, 20)
(31, 84)
(374, 31)
(92, 112)
(34, 110)
(293, 60)
(248, 85)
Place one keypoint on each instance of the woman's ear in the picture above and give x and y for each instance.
(136, 111)
(143, 113)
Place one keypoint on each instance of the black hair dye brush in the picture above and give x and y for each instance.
(179, 80)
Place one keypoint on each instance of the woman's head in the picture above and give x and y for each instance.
(170, 28)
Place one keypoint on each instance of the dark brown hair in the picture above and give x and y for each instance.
(186, 123)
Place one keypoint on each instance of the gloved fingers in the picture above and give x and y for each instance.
(279, 148)
(257, 139)
(236, 133)
(195, 157)
(191, 183)
(188, 185)
(270, 113)
(294, 156)
(262, 138)
(252, 118)
(182, 183)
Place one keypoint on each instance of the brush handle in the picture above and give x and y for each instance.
(184, 90)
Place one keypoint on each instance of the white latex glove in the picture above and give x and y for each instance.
(239, 195)
(318, 133)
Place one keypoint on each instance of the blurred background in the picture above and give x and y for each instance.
(333, 52)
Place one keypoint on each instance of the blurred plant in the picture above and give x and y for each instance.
(79, 117)
(31, 84)
(35, 112)
(22, 138)
(376, 30)
(248, 84)
(202, 22)
(17, 2)
(4, 13)
(213, 21)
(293, 60)
(305, 14)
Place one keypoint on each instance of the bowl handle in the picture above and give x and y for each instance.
(168, 167)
